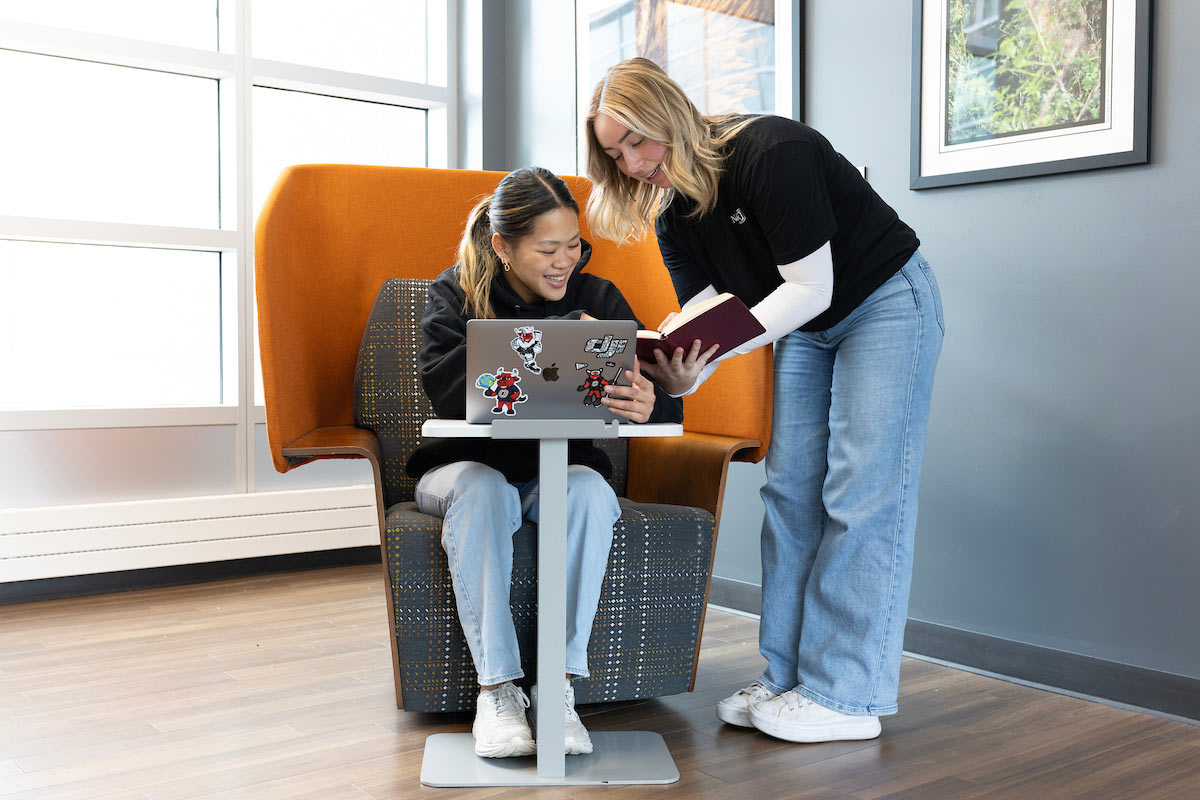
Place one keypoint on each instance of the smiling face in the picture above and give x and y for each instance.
(542, 261)
(636, 156)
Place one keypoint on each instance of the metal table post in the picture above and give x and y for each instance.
(618, 757)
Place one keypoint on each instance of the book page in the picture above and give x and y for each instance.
(691, 312)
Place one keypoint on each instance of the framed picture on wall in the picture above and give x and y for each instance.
(1013, 88)
(728, 55)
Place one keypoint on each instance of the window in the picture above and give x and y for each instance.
(141, 138)
(721, 52)
(187, 23)
(104, 142)
(612, 37)
(350, 35)
(109, 326)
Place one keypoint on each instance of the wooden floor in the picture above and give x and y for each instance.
(281, 687)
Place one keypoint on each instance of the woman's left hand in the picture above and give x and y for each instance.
(634, 402)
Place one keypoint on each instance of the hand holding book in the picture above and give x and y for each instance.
(723, 320)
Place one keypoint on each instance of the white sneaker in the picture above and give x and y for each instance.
(500, 728)
(793, 717)
(735, 709)
(576, 740)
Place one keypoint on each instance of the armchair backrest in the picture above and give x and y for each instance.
(329, 236)
(387, 389)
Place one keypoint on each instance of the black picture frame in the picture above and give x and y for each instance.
(937, 162)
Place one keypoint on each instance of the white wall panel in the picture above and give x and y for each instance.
(104, 465)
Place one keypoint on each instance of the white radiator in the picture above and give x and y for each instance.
(58, 541)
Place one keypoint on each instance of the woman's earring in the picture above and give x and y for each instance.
(507, 266)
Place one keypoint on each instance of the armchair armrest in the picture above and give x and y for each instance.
(683, 471)
(341, 441)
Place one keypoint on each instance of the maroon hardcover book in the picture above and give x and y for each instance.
(722, 320)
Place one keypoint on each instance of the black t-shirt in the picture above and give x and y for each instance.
(784, 192)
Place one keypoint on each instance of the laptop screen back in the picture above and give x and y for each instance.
(545, 369)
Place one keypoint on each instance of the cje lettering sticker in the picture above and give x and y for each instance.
(504, 387)
(606, 347)
(527, 344)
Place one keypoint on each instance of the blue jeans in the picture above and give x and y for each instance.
(480, 512)
(843, 470)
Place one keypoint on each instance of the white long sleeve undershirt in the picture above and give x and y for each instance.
(806, 291)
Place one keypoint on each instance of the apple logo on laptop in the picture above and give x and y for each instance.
(550, 373)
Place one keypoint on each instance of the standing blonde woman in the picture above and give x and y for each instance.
(765, 208)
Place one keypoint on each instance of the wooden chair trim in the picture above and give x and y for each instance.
(683, 471)
(338, 440)
(348, 441)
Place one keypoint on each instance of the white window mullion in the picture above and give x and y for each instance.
(45, 40)
(43, 229)
(352, 86)
(154, 417)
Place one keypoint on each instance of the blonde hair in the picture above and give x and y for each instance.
(511, 211)
(638, 94)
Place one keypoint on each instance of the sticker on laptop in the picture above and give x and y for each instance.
(594, 382)
(504, 387)
(606, 347)
(527, 344)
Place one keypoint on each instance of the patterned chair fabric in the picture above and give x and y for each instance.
(644, 637)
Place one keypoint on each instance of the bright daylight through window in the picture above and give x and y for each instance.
(141, 139)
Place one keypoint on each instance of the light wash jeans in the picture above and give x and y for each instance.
(843, 470)
(480, 512)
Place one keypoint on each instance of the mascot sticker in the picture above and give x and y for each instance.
(594, 383)
(504, 387)
(527, 344)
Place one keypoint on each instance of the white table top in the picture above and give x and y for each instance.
(547, 429)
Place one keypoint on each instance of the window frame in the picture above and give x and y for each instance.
(238, 72)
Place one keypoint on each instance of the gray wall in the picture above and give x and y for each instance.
(541, 81)
(1060, 505)
(517, 85)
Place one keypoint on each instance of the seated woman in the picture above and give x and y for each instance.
(521, 258)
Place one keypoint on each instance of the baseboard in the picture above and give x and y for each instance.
(1097, 678)
(134, 579)
(736, 595)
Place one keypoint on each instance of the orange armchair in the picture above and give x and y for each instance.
(330, 235)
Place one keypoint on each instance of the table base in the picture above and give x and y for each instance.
(618, 757)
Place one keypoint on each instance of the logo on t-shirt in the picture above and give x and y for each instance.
(737, 217)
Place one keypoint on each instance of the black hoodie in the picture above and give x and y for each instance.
(442, 361)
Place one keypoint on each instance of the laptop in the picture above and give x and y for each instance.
(545, 369)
